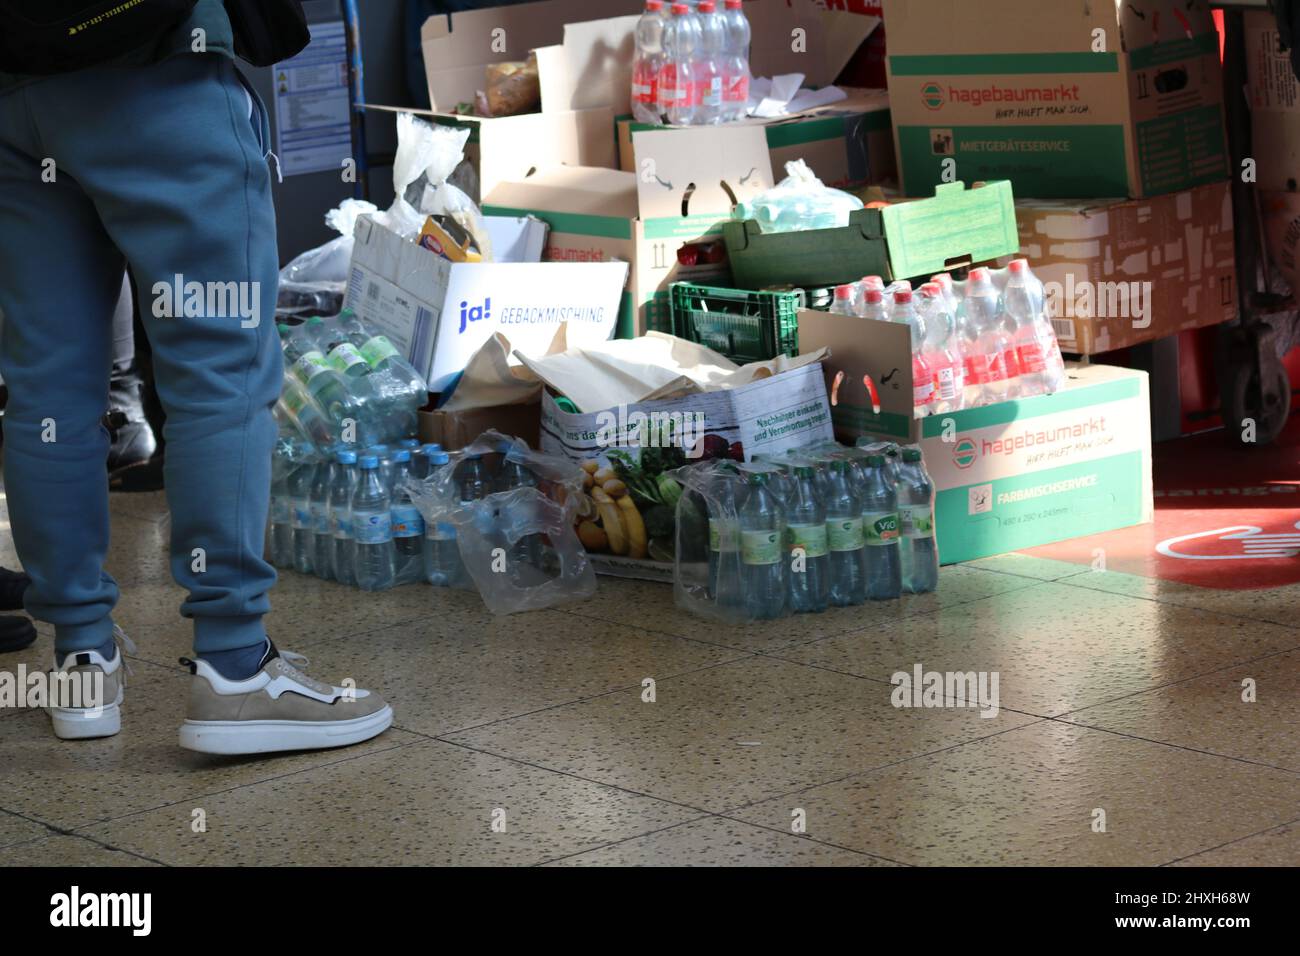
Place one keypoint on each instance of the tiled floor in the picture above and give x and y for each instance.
(1122, 735)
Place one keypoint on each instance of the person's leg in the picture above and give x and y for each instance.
(132, 438)
(59, 278)
(178, 177)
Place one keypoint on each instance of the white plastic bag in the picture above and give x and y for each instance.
(798, 202)
(427, 156)
(496, 533)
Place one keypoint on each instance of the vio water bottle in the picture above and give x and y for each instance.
(806, 536)
(372, 526)
(880, 527)
(916, 517)
(844, 537)
(762, 550)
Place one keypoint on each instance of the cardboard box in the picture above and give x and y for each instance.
(453, 430)
(667, 223)
(1008, 476)
(439, 313)
(1131, 271)
(847, 144)
(767, 416)
(1274, 105)
(1064, 99)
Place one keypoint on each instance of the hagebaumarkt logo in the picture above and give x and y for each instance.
(964, 453)
(932, 95)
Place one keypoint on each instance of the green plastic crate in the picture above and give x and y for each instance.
(744, 326)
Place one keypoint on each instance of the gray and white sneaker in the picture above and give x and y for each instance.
(278, 708)
(86, 692)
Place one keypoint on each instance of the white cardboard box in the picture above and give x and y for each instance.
(440, 313)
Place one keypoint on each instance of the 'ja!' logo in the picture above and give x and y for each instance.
(964, 453)
(476, 314)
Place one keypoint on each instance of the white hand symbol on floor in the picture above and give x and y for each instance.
(1243, 541)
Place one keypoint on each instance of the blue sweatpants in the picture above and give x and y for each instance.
(161, 167)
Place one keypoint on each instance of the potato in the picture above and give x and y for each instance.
(590, 466)
(614, 488)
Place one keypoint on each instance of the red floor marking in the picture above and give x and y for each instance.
(1225, 518)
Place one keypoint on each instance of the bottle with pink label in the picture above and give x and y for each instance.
(676, 73)
(648, 62)
(735, 61)
(904, 311)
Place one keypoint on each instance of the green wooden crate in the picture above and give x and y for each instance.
(744, 326)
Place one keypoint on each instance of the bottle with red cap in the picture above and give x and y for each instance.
(945, 367)
(676, 72)
(959, 339)
(647, 63)
(904, 311)
(988, 367)
(710, 110)
(735, 62)
(842, 304)
(871, 304)
(859, 291)
(1024, 315)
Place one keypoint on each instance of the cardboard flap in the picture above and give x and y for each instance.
(581, 190)
(860, 349)
(799, 36)
(669, 163)
(946, 27)
(591, 68)
(957, 227)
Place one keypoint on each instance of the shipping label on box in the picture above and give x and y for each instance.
(440, 313)
(1065, 100)
(1274, 104)
(1125, 272)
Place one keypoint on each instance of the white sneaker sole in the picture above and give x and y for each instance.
(80, 723)
(271, 736)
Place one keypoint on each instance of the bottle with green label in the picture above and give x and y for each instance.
(920, 555)
(881, 530)
(847, 585)
(762, 549)
(400, 388)
(304, 352)
(809, 552)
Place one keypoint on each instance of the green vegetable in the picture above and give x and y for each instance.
(669, 490)
(660, 522)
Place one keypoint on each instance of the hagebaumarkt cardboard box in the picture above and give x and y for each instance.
(1013, 475)
(1065, 99)
(440, 313)
(765, 417)
(1129, 271)
(453, 430)
(667, 225)
(1274, 105)
(847, 144)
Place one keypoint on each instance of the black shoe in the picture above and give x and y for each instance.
(12, 586)
(133, 439)
(16, 632)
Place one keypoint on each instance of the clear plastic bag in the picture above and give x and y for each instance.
(314, 282)
(800, 201)
(517, 545)
(427, 157)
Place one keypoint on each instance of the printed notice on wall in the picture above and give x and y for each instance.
(313, 132)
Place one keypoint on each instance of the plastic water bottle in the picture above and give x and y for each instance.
(735, 62)
(1023, 314)
(384, 456)
(399, 390)
(727, 495)
(676, 77)
(647, 61)
(372, 525)
(762, 549)
(844, 537)
(920, 556)
(806, 536)
(304, 543)
(904, 311)
(472, 479)
(343, 484)
(989, 364)
(408, 524)
(842, 304)
(281, 506)
(880, 526)
(322, 541)
(710, 62)
(442, 566)
(945, 365)
(527, 552)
